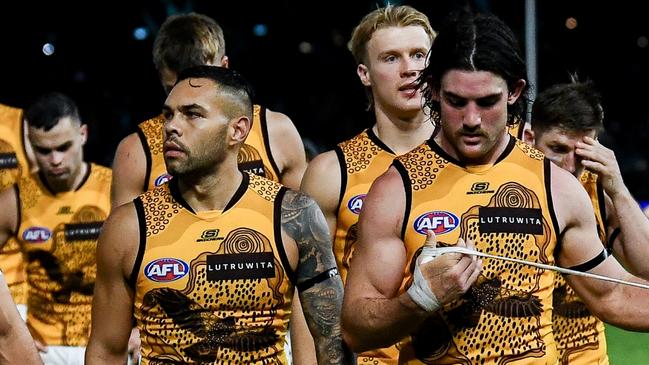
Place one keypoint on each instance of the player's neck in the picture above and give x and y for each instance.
(402, 134)
(488, 158)
(212, 191)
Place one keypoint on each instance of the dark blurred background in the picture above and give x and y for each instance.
(295, 54)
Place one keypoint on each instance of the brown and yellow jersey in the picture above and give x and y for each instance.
(58, 234)
(254, 157)
(506, 209)
(580, 335)
(362, 159)
(13, 165)
(213, 287)
(517, 128)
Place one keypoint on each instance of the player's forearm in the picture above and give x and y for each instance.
(625, 307)
(322, 305)
(633, 247)
(371, 323)
(100, 354)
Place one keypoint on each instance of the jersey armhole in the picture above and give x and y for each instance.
(406, 185)
(139, 209)
(343, 176)
(147, 154)
(547, 167)
(19, 213)
(263, 125)
(277, 222)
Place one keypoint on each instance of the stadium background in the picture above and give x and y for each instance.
(294, 52)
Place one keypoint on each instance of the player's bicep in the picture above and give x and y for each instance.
(129, 169)
(113, 296)
(322, 182)
(9, 215)
(287, 148)
(377, 265)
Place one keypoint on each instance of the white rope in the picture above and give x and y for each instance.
(463, 250)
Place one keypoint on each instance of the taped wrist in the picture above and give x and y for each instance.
(421, 293)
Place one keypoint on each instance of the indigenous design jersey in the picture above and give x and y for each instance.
(580, 335)
(506, 209)
(255, 155)
(13, 165)
(517, 129)
(362, 159)
(213, 287)
(58, 234)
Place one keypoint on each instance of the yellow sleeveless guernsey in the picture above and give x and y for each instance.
(213, 287)
(580, 335)
(13, 165)
(517, 129)
(255, 155)
(506, 209)
(362, 159)
(58, 234)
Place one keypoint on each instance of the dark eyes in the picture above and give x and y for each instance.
(558, 149)
(484, 103)
(47, 151)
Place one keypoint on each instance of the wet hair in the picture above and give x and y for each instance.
(574, 107)
(471, 41)
(230, 84)
(389, 16)
(187, 40)
(46, 112)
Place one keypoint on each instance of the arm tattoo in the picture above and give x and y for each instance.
(303, 221)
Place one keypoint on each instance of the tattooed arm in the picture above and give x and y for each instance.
(321, 289)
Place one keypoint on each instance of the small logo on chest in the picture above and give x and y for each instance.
(209, 235)
(355, 204)
(438, 221)
(166, 269)
(66, 209)
(480, 188)
(36, 234)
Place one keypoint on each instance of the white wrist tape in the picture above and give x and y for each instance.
(420, 291)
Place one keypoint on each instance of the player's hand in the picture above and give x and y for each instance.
(450, 275)
(601, 160)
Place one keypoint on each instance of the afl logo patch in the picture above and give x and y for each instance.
(355, 204)
(162, 179)
(166, 270)
(36, 234)
(438, 221)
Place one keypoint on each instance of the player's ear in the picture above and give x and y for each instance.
(364, 74)
(515, 93)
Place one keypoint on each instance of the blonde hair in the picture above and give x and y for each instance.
(389, 16)
(187, 40)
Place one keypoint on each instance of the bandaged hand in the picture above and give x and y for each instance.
(438, 280)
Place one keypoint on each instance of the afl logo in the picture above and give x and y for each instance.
(166, 269)
(162, 179)
(439, 222)
(36, 234)
(356, 203)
